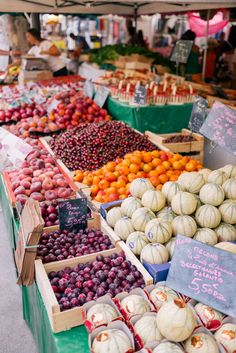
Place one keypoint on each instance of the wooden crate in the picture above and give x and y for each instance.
(60, 166)
(194, 149)
(65, 320)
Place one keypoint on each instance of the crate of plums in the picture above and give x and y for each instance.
(75, 268)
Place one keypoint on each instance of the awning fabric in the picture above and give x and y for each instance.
(199, 26)
(111, 7)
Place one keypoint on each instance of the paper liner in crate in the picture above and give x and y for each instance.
(127, 314)
(117, 325)
(92, 325)
(162, 297)
(226, 336)
(206, 315)
(139, 343)
(31, 227)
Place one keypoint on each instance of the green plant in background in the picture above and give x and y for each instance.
(112, 52)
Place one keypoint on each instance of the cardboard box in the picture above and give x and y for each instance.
(158, 272)
(25, 76)
(135, 65)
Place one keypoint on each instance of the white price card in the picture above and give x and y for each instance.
(12, 149)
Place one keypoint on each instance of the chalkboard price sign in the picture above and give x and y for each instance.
(101, 96)
(204, 273)
(181, 51)
(88, 89)
(198, 115)
(140, 95)
(220, 126)
(73, 214)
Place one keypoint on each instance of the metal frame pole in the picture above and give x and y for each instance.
(205, 51)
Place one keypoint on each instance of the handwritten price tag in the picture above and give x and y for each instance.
(204, 273)
(73, 214)
(181, 51)
(220, 127)
(198, 115)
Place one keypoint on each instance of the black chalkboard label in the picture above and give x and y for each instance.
(101, 96)
(73, 214)
(219, 92)
(181, 51)
(204, 273)
(140, 95)
(220, 127)
(198, 115)
(89, 89)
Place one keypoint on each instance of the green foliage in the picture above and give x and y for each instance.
(112, 52)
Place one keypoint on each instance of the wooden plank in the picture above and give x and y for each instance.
(46, 291)
(45, 144)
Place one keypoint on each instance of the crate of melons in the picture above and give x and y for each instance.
(200, 205)
(185, 142)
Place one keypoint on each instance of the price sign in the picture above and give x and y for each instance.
(220, 126)
(140, 95)
(73, 214)
(181, 51)
(204, 273)
(89, 89)
(12, 149)
(52, 105)
(101, 96)
(198, 115)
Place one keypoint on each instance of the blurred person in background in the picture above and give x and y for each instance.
(81, 44)
(47, 50)
(193, 66)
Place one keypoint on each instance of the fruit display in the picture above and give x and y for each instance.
(101, 314)
(162, 294)
(87, 281)
(23, 111)
(208, 315)
(205, 341)
(135, 304)
(96, 144)
(49, 211)
(82, 276)
(39, 178)
(173, 326)
(155, 168)
(74, 108)
(226, 335)
(32, 126)
(60, 245)
(113, 339)
(179, 138)
(176, 320)
(149, 220)
(146, 328)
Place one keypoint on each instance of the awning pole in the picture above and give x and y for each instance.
(135, 17)
(205, 51)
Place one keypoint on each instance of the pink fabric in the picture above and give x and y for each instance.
(197, 25)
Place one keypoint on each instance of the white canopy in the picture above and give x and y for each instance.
(111, 7)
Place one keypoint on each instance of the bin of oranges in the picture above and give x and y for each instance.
(112, 181)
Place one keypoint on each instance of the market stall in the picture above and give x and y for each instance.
(103, 218)
(157, 119)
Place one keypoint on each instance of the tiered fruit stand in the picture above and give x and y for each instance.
(158, 182)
